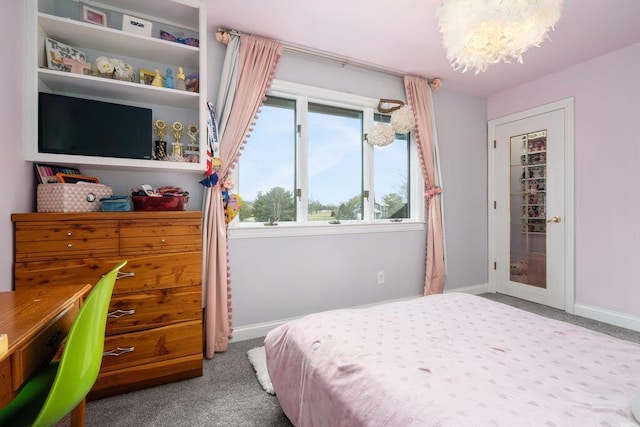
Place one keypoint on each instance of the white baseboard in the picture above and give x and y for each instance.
(475, 289)
(608, 316)
(257, 330)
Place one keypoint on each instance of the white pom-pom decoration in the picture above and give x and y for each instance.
(403, 120)
(381, 134)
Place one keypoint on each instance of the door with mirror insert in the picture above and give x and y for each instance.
(529, 192)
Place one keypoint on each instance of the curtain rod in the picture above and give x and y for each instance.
(328, 56)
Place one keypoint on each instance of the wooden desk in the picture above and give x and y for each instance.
(36, 319)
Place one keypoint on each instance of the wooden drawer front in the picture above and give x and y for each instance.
(160, 272)
(160, 236)
(143, 376)
(64, 272)
(65, 240)
(159, 227)
(139, 311)
(42, 348)
(154, 345)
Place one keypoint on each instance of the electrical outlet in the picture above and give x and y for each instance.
(380, 277)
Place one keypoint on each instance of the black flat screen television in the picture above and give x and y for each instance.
(78, 126)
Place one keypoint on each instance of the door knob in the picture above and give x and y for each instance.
(555, 218)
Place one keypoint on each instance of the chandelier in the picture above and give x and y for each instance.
(478, 33)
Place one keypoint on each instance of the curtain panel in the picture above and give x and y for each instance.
(245, 90)
(419, 97)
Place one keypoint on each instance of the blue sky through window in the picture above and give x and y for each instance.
(335, 157)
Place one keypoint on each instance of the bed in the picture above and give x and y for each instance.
(450, 360)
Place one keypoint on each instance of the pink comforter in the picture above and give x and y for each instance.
(450, 360)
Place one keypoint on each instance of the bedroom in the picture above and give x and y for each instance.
(271, 270)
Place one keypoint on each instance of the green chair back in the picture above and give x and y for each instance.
(61, 386)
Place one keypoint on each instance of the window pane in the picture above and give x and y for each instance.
(267, 165)
(391, 176)
(335, 163)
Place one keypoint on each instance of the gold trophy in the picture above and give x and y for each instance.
(192, 153)
(177, 153)
(160, 146)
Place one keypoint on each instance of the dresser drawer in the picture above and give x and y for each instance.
(62, 272)
(143, 376)
(42, 347)
(160, 236)
(154, 345)
(161, 272)
(160, 227)
(65, 240)
(145, 310)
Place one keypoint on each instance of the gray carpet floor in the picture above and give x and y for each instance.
(228, 394)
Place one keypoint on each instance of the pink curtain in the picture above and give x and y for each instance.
(257, 64)
(419, 98)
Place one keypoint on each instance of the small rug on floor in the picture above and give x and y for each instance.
(258, 359)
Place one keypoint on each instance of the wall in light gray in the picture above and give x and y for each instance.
(462, 133)
(277, 278)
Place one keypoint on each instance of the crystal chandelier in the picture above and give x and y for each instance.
(477, 33)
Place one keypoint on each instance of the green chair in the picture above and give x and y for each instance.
(57, 389)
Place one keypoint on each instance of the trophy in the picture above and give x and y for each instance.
(176, 147)
(160, 146)
(192, 153)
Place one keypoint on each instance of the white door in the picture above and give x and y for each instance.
(531, 199)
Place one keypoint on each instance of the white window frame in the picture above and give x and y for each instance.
(303, 95)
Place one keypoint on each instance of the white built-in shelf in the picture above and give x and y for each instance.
(83, 35)
(53, 19)
(118, 162)
(60, 81)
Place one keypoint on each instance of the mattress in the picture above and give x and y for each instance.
(450, 360)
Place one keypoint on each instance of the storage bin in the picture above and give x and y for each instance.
(116, 204)
(67, 197)
(163, 203)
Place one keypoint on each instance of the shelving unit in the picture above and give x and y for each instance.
(528, 196)
(533, 183)
(62, 21)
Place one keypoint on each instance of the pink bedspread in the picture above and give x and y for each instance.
(450, 360)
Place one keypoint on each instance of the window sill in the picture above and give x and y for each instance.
(323, 229)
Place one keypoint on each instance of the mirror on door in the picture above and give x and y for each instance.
(528, 174)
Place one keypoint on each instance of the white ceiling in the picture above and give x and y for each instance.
(402, 35)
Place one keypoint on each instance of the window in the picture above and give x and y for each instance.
(391, 177)
(334, 163)
(307, 162)
(267, 181)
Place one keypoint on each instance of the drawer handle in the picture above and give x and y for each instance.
(55, 338)
(118, 351)
(69, 234)
(123, 274)
(163, 241)
(120, 313)
(70, 245)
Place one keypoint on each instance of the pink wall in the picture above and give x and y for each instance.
(15, 174)
(607, 175)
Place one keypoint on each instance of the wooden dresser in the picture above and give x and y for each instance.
(154, 327)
